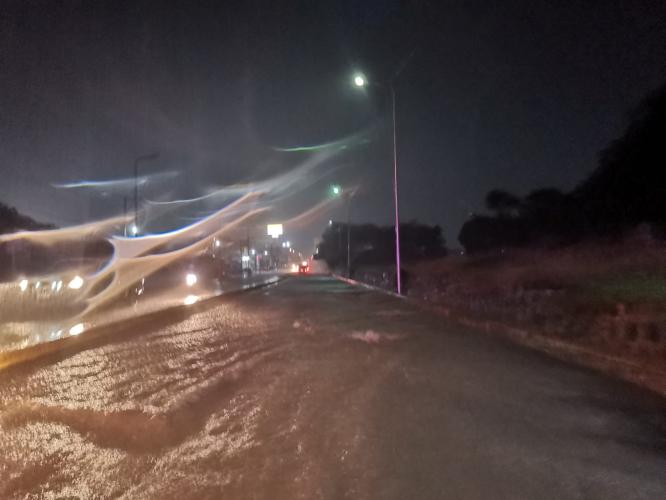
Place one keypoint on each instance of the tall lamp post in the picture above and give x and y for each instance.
(139, 159)
(360, 81)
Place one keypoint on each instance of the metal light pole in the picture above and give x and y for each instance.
(136, 187)
(395, 194)
(360, 81)
(349, 195)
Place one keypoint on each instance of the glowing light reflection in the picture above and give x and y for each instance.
(190, 299)
(191, 279)
(77, 329)
(76, 283)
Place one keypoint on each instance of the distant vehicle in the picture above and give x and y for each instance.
(304, 267)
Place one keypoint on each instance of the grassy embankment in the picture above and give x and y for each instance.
(609, 300)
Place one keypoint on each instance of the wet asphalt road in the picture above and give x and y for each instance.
(316, 389)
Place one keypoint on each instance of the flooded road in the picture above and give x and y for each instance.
(316, 389)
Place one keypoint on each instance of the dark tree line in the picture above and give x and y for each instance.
(23, 257)
(627, 189)
(11, 221)
(371, 244)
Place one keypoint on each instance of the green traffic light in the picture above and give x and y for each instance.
(336, 190)
(359, 80)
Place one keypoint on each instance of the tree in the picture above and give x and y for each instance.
(483, 233)
(371, 244)
(503, 203)
(629, 185)
(11, 221)
(626, 190)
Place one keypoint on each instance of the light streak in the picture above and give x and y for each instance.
(124, 271)
(87, 231)
(119, 184)
(135, 258)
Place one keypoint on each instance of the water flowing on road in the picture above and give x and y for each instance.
(316, 389)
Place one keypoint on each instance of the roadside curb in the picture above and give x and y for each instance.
(79, 342)
(612, 366)
(350, 281)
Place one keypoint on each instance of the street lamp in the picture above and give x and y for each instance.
(360, 81)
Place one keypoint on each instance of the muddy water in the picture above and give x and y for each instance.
(313, 389)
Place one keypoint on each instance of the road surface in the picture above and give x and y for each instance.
(316, 389)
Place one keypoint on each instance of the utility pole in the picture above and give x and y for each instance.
(125, 216)
(349, 195)
(136, 187)
(247, 242)
(348, 242)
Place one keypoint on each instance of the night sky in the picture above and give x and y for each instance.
(515, 95)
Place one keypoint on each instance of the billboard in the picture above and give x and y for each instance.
(274, 230)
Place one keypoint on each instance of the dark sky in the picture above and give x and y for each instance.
(513, 94)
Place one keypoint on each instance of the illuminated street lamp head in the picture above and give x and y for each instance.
(336, 190)
(359, 80)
